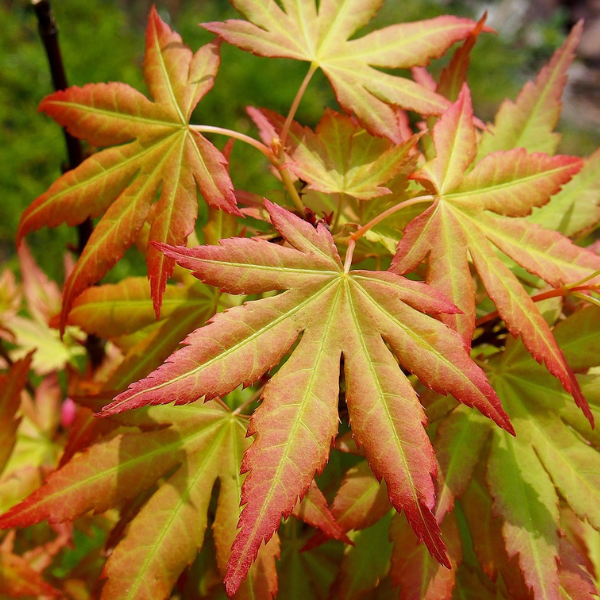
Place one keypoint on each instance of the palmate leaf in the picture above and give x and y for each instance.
(122, 182)
(301, 32)
(471, 217)
(202, 444)
(339, 157)
(555, 451)
(530, 121)
(334, 313)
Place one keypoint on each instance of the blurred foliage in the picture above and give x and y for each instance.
(102, 40)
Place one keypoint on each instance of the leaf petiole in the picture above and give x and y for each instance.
(386, 213)
(250, 400)
(273, 159)
(565, 290)
(238, 136)
(288, 122)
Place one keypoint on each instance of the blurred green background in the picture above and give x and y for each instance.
(103, 40)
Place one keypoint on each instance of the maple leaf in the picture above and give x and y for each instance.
(191, 447)
(301, 32)
(337, 313)
(123, 181)
(555, 450)
(530, 121)
(471, 216)
(340, 157)
(367, 562)
(413, 569)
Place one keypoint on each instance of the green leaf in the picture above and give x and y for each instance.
(202, 444)
(298, 418)
(530, 121)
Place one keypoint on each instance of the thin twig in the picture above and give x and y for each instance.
(277, 162)
(384, 215)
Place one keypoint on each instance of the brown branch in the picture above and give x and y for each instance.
(48, 31)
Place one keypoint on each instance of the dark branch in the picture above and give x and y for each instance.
(49, 34)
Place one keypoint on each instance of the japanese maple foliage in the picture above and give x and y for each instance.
(397, 349)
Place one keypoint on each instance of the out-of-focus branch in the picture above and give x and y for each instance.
(49, 35)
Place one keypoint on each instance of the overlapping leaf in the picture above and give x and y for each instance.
(470, 218)
(555, 451)
(166, 157)
(367, 562)
(340, 157)
(530, 121)
(125, 311)
(204, 443)
(334, 313)
(321, 37)
(115, 310)
(11, 385)
(18, 579)
(577, 206)
(413, 569)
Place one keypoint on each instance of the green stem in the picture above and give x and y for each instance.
(291, 188)
(295, 104)
(338, 210)
(584, 280)
(222, 403)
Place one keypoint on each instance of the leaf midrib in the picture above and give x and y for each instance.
(251, 338)
(115, 114)
(183, 496)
